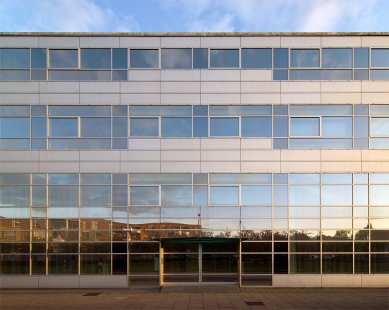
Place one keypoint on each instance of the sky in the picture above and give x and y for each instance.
(194, 15)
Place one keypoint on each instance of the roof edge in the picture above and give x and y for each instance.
(190, 34)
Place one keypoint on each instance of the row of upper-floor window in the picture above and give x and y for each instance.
(97, 63)
(108, 127)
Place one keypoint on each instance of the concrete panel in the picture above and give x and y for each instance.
(140, 99)
(220, 144)
(19, 87)
(300, 98)
(58, 281)
(19, 155)
(19, 99)
(260, 87)
(140, 87)
(375, 86)
(375, 41)
(59, 155)
(19, 167)
(19, 281)
(59, 87)
(102, 99)
(374, 280)
(110, 155)
(375, 166)
(341, 87)
(375, 155)
(300, 87)
(260, 167)
(220, 87)
(300, 155)
(62, 99)
(297, 280)
(148, 167)
(59, 167)
(180, 87)
(247, 144)
(260, 98)
(341, 41)
(180, 75)
(300, 167)
(220, 75)
(220, 42)
(143, 75)
(341, 167)
(59, 42)
(375, 98)
(104, 281)
(99, 87)
(257, 75)
(142, 156)
(221, 98)
(178, 167)
(341, 155)
(260, 41)
(263, 155)
(220, 155)
(300, 42)
(221, 166)
(180, 144)
(180, 99)
(341, 98)
(140, 42)
(180, 42)
(144, 144)
(180, 156)
(98, 167)
(99, 42)
(341, 280)
(19, 41)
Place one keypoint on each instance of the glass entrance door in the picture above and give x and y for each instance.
(199, 262)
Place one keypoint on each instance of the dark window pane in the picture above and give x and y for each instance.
(280, 109)
(227, 127)
(176, 127)
(63, 58)
(120, 127)
(321, 74)
(119, 58)
(361, 57)
(95, 58)
(119, 110)
(200, 110)
(14, 58)
(305, 58)
(63, 127)
(280, 75)
(14, 75)
(200, 127)
(95, 127)
(38, 58)
(281, 126)
(281, 57)
(176, 58)
(119, 75)
(38, 75)
(379, 75)
(144, 127)
(144, 59)
(380, 57)
(256, 58)
(302, 263)
(94, 75)
(256, 127)
(337, 58)
(361, 74)
(14, 111)
(224, 58)
(200, 58)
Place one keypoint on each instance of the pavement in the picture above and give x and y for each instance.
(212, 297)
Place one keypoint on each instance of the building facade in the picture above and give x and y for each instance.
(172, 159)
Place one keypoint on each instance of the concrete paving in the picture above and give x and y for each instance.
(177, 298)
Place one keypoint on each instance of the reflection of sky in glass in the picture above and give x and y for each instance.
(304, 195)
(14, 58)
(14, 127)
(144, 59)
(63, 58)
(337, 57)
(336, 195)
(177, 58)
(144, 127)
(379, 126)
(307, 126)
(227, 127)
(361, 195)
(179, 195)
(63, 127)
(224, 195)
(337, 126)
(256, 195)
(379, 195)
(379, 57)
(305, 58)
(144, 195)
(176, 127)
(224, 58)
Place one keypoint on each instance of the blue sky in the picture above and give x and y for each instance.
(193, 15)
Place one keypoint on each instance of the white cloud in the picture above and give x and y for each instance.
(62, 15)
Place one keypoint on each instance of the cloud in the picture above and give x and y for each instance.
(62, 15)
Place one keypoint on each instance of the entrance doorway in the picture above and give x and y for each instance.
(199, 261)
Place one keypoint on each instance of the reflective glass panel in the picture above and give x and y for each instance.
(200, 58)
(226, 127)
(177, 195)
(14, 58)
(144, 195)
(144, 127)
(337, 57)
(176, 58)
(38, 127)
(14, 127)
(305, 126)
(96, 58)
(304, 195)
(95, 127)
(361, 57)
(301, 58)
(63, 58)
(63, 127)
(119, 58)
(336, 195)
(379, 57)
(200, 127)
(361, 126)
(144, 59)
(256, 195)
(63, 196)
(256, 127)
(281, 57)
(176, 127)
(224, 58)
(337, 126)
(256, 58)
(224, 195)
(379, 126)
(38, 58)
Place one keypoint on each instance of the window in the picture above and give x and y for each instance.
(380, 57)
(64, 127)
(176, 58)
(361, 57)
(337, 126)
(200, 58)
(224, 126)
(62, 59)
(95, 127)
(95, 58)
(14, 58)
(176, 127)
(119, 58)
(144, 59)
(337, 58)
(256, 195)
(256, 126)
(144, 127)
(379, 126)
(307, 195)
(256, 58)
(224, 195)
(305, 58)
(144, 195)
(14, 127)
(281, 58)
(176, 195)
(304, 126)
(224, 58)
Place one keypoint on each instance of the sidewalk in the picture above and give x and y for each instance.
(197, 298)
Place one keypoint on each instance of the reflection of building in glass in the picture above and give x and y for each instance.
(257, 159)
